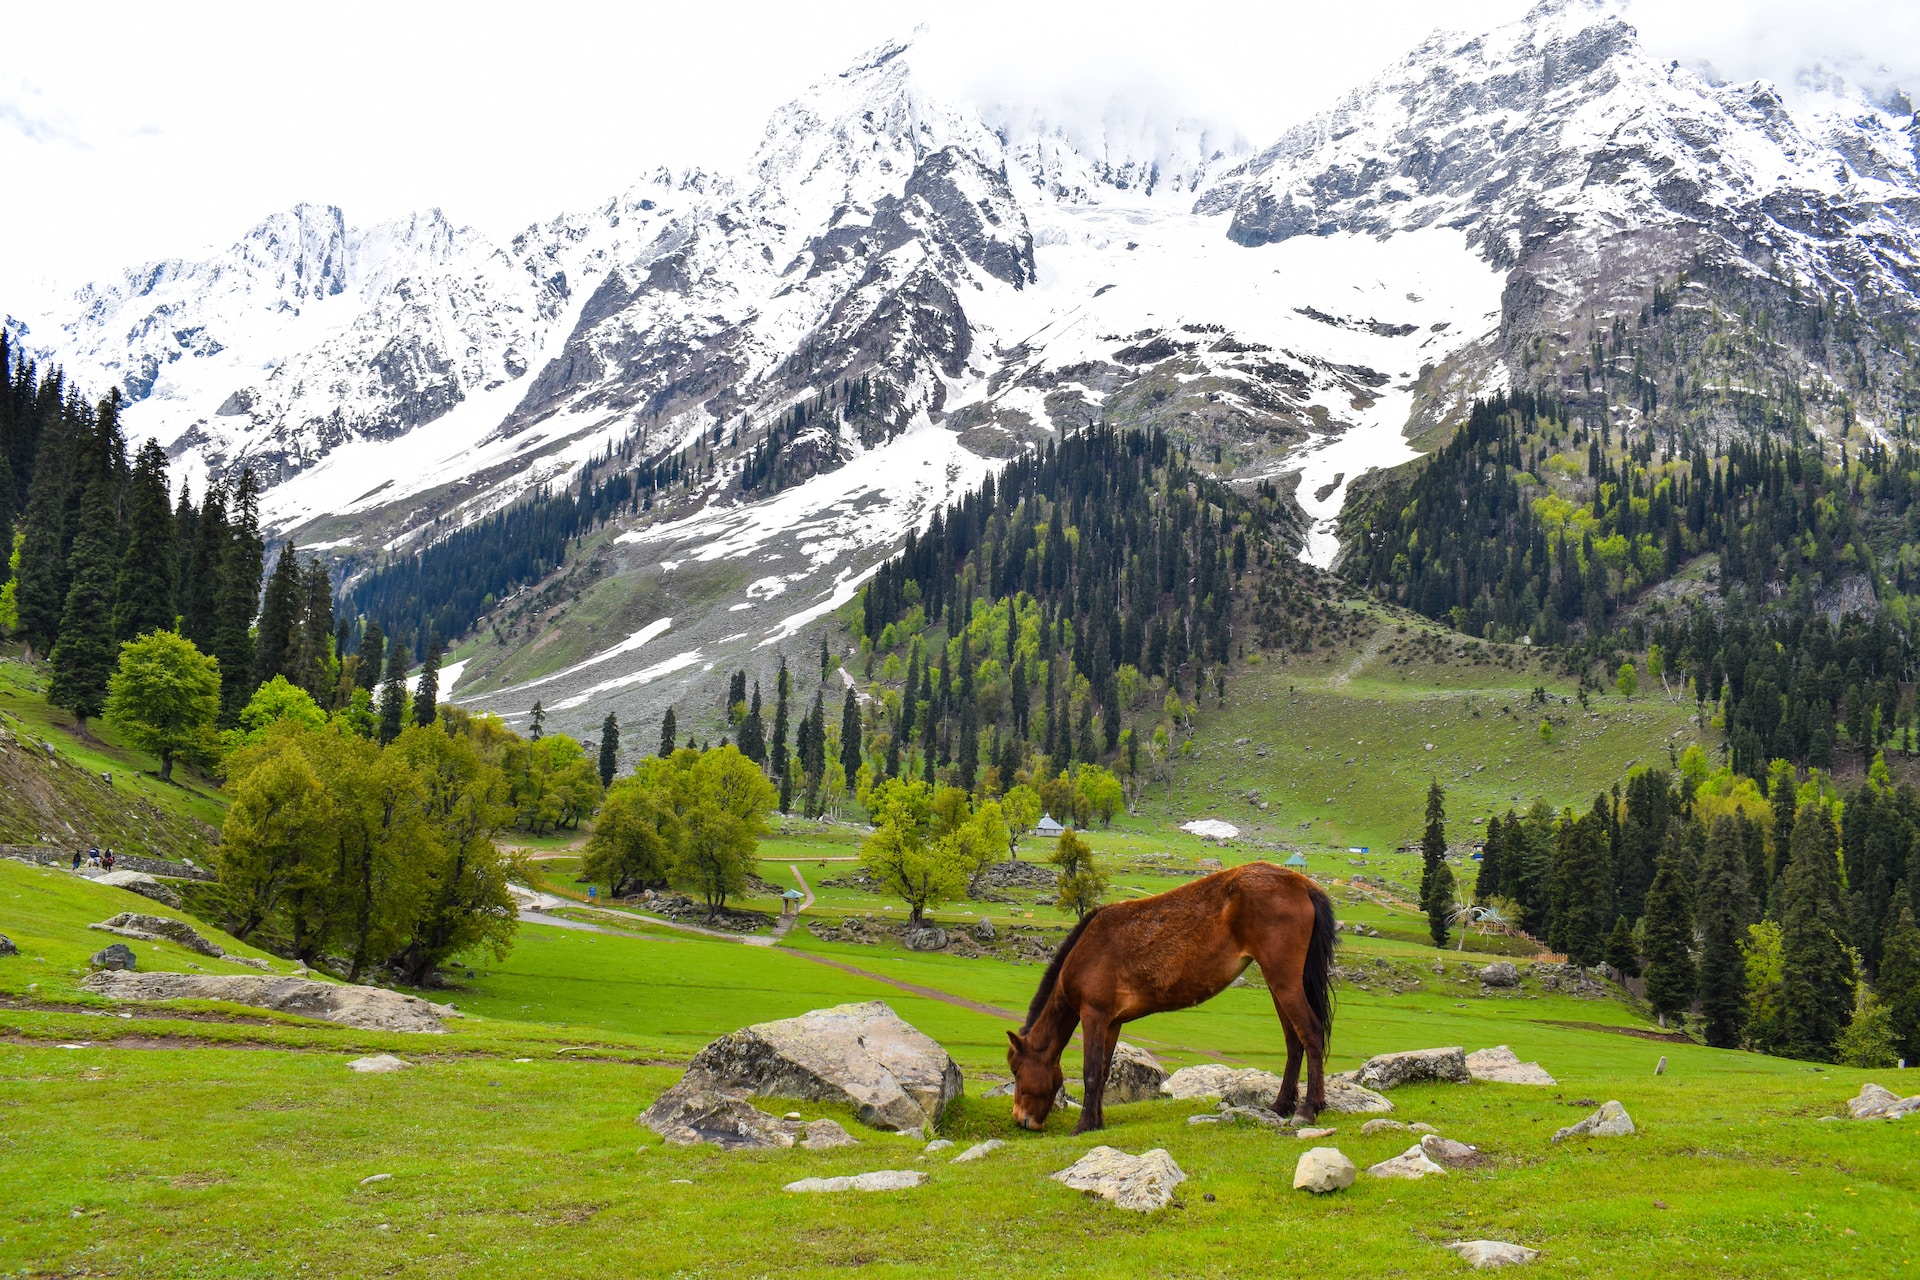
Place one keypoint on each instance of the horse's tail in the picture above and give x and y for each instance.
(1318, 976)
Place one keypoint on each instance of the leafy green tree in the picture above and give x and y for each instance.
(1101, 791)
(1900, 984)
(1627, 681)
(143, 595)
(1760, 955)
(165, 696)
(1722, 916)
(1817, 972)
(905, 854)
(725, 800)
(636, 837)
(1436, 881)
(1021, 809)
(276, 837)
(83, 657)
(1868, 1040)
(1079, 882)
(1668, 927)
(276, 700)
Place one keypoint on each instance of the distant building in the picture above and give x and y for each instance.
(1047, 826)
(1297, 860)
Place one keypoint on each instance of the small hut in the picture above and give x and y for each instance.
(1297, 860)
(790, 902)
(1047, 826)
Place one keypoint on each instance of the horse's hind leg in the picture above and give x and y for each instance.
(1299, 1018)
(1290, 1082)
(1097, 1037)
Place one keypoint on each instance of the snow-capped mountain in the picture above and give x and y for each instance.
(985, 277)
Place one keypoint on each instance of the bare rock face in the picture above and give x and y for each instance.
(1484, 1254)
(1501, 1065)
(146, 928)
(1136, 1075)
(864, 1055)
(1416, 1066)
(1141, 1183)
(1322, 1170)
(1610, 1121)
(1879, 1103)
(141, 883)
(368, 1008)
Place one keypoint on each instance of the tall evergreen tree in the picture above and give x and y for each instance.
(813, 746)
(1724, 909)
(275, 652)
(186, 538)
(393, 694)
(609, 749)
(1899, 985)
(373, 653)
(315, 641)
(200, 590)
(1620, 950)
(426, 696)
(826, 657)
(1436, 882)
(145, 591)
(753, 732)
(1669, 935)
(850, 754)
(1816, 969)
(1583, 897)
(241, 567)
(777, 753)
(41, 594)
(84, 656)
(669, 734)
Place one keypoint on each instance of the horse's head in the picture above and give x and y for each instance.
(1037, 1079)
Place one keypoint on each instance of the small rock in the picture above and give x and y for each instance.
(1348, 1098)
(1252, 1115)
(1501, 973)
(6, 946)
(985, 932)
(1323, 1170)
(1501, 1065)
(1311, 1134)
(1411, 1163)
(917, 1133)
(1421, 1126)
(378, 1177)
(1216, 1119)
(1449, 1154)
(939, 1144)
(791, 1115)
(687, 1115)
(116, 955)
(880, 1180)
(1135, 1076)
(1416, 1066)
(979, 1151)
(1660, 1067)
(1493, 1253)
(824, 1134)
(379, 1064)
(1141, 1183)
(1610, 1121)
(1878, 1103)
(1372, 1127)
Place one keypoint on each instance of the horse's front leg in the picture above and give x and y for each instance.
(1097, 1036)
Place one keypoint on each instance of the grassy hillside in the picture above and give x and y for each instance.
(161, 1148)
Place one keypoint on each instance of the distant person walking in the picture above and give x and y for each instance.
(76, 859)
(107, 861)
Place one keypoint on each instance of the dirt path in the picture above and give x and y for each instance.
(1361, 659)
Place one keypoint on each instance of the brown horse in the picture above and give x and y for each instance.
(1172, 951)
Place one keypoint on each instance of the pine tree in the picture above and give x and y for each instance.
(1620, 952)
(1436, 881)
(186, 535)
(200, 591)
(316, 641)
(826, 657)
(609, 749)
(1583, 889)
(144, 594)
(1669, 936)
(669, 734)
(41, 593)
(1722, 917)
(850, 753)
(393, 694)
(537, 729)
(1899, 985)
(426, 697)
(85, 654)
(777, 753)
(373, 652)
(1486, 882)
(1816, 968)
(753, 732)
(238, 600)
(274, 652)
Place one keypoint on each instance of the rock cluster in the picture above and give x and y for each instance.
(1878, 1103)
(1255, 1089)
(864, 1055)
(146, 928)
(1501, 1065)
(367, 1008)
(1141, 1183)
(1610, 1121)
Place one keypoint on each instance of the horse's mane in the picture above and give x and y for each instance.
(1052, 975)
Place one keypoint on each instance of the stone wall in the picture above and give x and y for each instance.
(53, 856)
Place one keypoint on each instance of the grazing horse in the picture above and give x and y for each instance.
(1172, 951)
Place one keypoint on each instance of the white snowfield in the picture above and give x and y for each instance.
(999, 272)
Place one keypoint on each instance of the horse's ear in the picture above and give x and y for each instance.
(1017, 1042)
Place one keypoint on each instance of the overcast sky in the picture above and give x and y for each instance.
(134, 131)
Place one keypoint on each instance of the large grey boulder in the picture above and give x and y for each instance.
(1416, 1066)
(1136, 1075)
(1348, 1098)
(1879, 1103)
(1141, 1183)
(114, 956)
(145, 928)
(141, 883)
(1485, 1254)
(864, 1055)
(1322, 1170)
(1501, 1065)
(1209, 1080)
(1610, 1121)
(1501, 973)
(687, 1116)
(925, 937)
(367, 1008)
